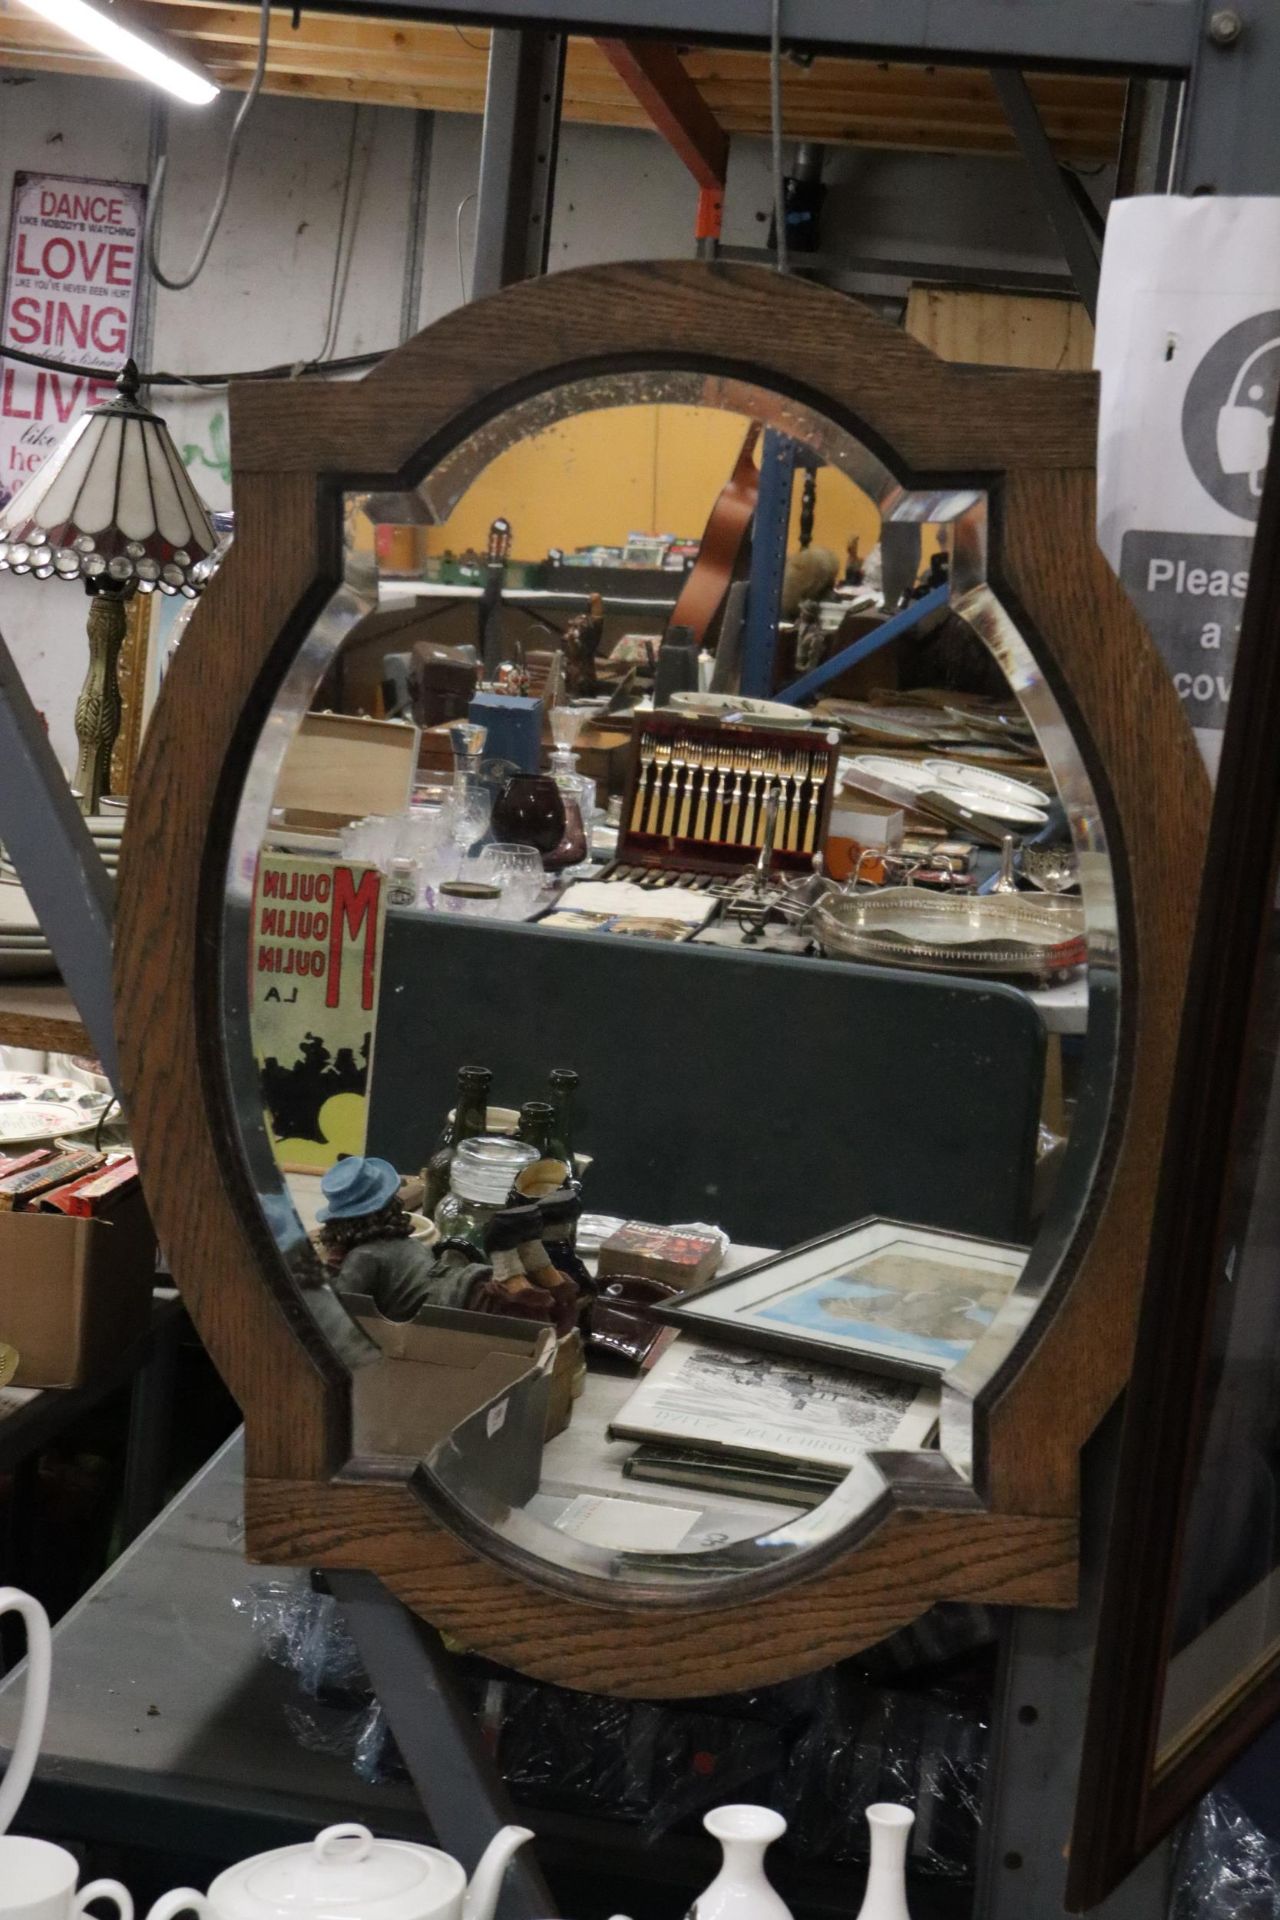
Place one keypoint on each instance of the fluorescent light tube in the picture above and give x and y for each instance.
(97, 29)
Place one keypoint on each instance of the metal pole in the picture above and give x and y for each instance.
(1073, 233)
(454, 1774)
(896, 624)
(768, 562)
(415, 238)
(1229, 137)
(517, 158)
(61, 869)
(1037, 1727)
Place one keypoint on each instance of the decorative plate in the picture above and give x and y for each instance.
(721, 705)
(983, 785)
(36, 1106)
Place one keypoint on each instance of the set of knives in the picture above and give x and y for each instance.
(715, 792)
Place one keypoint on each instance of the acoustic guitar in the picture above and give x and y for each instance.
(711, 576)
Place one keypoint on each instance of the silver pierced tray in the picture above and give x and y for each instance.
(991, 934)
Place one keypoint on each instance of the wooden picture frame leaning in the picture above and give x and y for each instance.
(1132, 1792)
(1006, 1535)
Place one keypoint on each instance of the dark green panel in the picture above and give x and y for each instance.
(776, 1097)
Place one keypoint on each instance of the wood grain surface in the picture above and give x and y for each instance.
(1010, 1538)
(938, 418)
(41, 1014)
(854, 1602)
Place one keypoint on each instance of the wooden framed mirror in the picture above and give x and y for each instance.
(1003, 463)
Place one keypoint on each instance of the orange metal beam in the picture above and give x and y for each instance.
(653, 71)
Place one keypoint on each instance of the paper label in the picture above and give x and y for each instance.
(315, 957)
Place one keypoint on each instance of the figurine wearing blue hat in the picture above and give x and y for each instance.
(366, 1233)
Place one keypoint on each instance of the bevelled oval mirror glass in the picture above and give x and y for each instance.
(669, 980)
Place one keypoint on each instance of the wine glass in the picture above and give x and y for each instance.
(518, 871)
(468, 810)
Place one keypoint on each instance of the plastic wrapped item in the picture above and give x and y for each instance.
(926, 1748)
(300, 1629)
(819, 1749)
(360, 1735)
(1226, 1867)
(633, 1760)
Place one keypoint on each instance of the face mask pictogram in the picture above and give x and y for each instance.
(1244, 424)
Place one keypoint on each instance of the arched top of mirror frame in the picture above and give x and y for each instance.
(1007, 1533)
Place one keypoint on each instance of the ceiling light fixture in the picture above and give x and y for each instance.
(95, 27)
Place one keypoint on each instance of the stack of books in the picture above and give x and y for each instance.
(765, 1426)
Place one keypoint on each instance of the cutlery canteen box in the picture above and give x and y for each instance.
(665, 822)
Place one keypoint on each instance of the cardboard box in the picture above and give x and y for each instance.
(434, 1372)
(341, 766)
(75, 1293)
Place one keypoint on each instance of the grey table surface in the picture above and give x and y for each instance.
(162, 1694)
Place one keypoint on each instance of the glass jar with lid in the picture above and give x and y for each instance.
(483, 1172)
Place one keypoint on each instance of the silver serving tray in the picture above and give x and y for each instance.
(990, 934)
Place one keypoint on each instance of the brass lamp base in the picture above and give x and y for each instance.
(98, 710)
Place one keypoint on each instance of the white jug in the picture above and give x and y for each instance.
(38, 1882)
(35, 1706)
(886, 1895)
(345, 1874)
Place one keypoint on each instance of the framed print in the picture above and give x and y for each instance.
(1187, 1668)
(880, 1295)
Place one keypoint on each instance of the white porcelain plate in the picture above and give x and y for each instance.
(772, 713)
(980, 784)
(38, 1106)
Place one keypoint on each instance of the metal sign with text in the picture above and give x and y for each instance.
(71, 295)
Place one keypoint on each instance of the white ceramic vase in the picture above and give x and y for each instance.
(741, 1890)
(886, 1895)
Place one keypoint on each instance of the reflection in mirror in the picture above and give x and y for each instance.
(678, 925)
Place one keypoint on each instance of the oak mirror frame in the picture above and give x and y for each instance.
(1000, 1527)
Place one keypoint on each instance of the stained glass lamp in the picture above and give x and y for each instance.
(112, 506)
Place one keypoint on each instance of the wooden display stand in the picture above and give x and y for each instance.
(1004, 1532)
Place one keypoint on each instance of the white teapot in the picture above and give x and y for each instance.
(345, 1874)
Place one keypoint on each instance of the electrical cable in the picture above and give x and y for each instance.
(178, 283)
(476, 46)
(775, 128)
(344, 363)
(457, 235)
(339, 275)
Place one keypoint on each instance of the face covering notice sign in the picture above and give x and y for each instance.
(1188, 347)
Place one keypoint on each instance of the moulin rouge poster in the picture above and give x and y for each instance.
(70, 294)
(315, 959)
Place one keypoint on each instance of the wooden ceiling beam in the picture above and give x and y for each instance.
(430, 66)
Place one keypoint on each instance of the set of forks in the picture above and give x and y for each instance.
(692, 790)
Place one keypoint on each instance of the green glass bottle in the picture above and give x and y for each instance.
(564, 1085)
(469, 1119)
(537, 1119)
